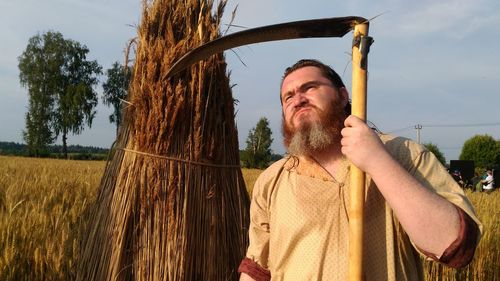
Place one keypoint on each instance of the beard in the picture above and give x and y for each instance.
(310, 136)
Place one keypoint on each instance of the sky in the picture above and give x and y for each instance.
(433, 63)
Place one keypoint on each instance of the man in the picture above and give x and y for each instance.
(299, 220)
(457, 176)
(488, 182)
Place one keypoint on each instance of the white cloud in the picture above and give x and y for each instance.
(454, 18)
(480, 22)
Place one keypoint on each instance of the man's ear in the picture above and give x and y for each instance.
(344, 95)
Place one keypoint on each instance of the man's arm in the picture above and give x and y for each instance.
(486, 181)
(252, 266)
(245, 277)
(431, 221)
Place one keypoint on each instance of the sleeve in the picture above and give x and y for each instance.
(461, 251)
(429, 171)
(256, 262)
(254, 270)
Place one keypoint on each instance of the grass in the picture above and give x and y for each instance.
(43, 203)
(486, 262)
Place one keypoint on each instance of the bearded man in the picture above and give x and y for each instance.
(299, 220)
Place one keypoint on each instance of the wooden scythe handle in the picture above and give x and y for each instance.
(331, 27)
(357, 187)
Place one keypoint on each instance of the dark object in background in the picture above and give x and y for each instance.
(466, 168)
(496, 176)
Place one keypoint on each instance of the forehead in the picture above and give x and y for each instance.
(302, 75)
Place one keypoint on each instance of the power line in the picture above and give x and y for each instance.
(447, 125)
(400, 129)
(465, 125)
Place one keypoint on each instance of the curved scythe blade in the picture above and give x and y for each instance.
(329, 27)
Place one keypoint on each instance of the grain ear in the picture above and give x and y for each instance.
(172, 203)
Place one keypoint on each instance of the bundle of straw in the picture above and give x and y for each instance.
(172, 203)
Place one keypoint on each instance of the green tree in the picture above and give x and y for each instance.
(37, 134)
(484, 150)
(258, 153)
(115, 90)
(77, 99)
(60, 79)
(39, 73)
(435, 150)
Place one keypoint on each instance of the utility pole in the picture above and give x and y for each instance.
(418, 127)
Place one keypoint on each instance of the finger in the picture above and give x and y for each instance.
(346, 131)
(352, 121)
(344, 141)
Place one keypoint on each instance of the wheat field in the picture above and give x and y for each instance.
(44, 203)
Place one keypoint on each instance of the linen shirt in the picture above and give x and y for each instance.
(299, 218)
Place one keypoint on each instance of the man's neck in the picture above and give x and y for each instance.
(330, 159)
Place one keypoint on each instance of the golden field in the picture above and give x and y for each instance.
(44, 203)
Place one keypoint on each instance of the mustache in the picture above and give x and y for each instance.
(331, 119)
(302, 106)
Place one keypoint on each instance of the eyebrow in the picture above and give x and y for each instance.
(304, 85)
(310, 83)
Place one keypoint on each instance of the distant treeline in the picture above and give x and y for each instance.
(77, 152)
(20, 149)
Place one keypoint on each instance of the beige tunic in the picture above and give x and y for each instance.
(299, 220)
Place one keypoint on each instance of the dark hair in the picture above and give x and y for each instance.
(327, 72)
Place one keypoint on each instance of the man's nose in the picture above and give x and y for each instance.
(300, 100)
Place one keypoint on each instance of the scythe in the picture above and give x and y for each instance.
(329, 27)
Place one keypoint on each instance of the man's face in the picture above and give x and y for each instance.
(313, 111)
(305, 93)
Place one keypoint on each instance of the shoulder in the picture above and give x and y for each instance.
(273, 171)
(395, 143)
(404, 150)
(268, 179)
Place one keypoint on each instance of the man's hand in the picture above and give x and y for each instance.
(430, 220)
(361, 145)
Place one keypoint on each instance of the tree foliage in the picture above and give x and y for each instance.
(258, 152)
(37, 135)
(38, 66)
(60, 82)
(116, 89)
(484, 150)
(435, 150)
